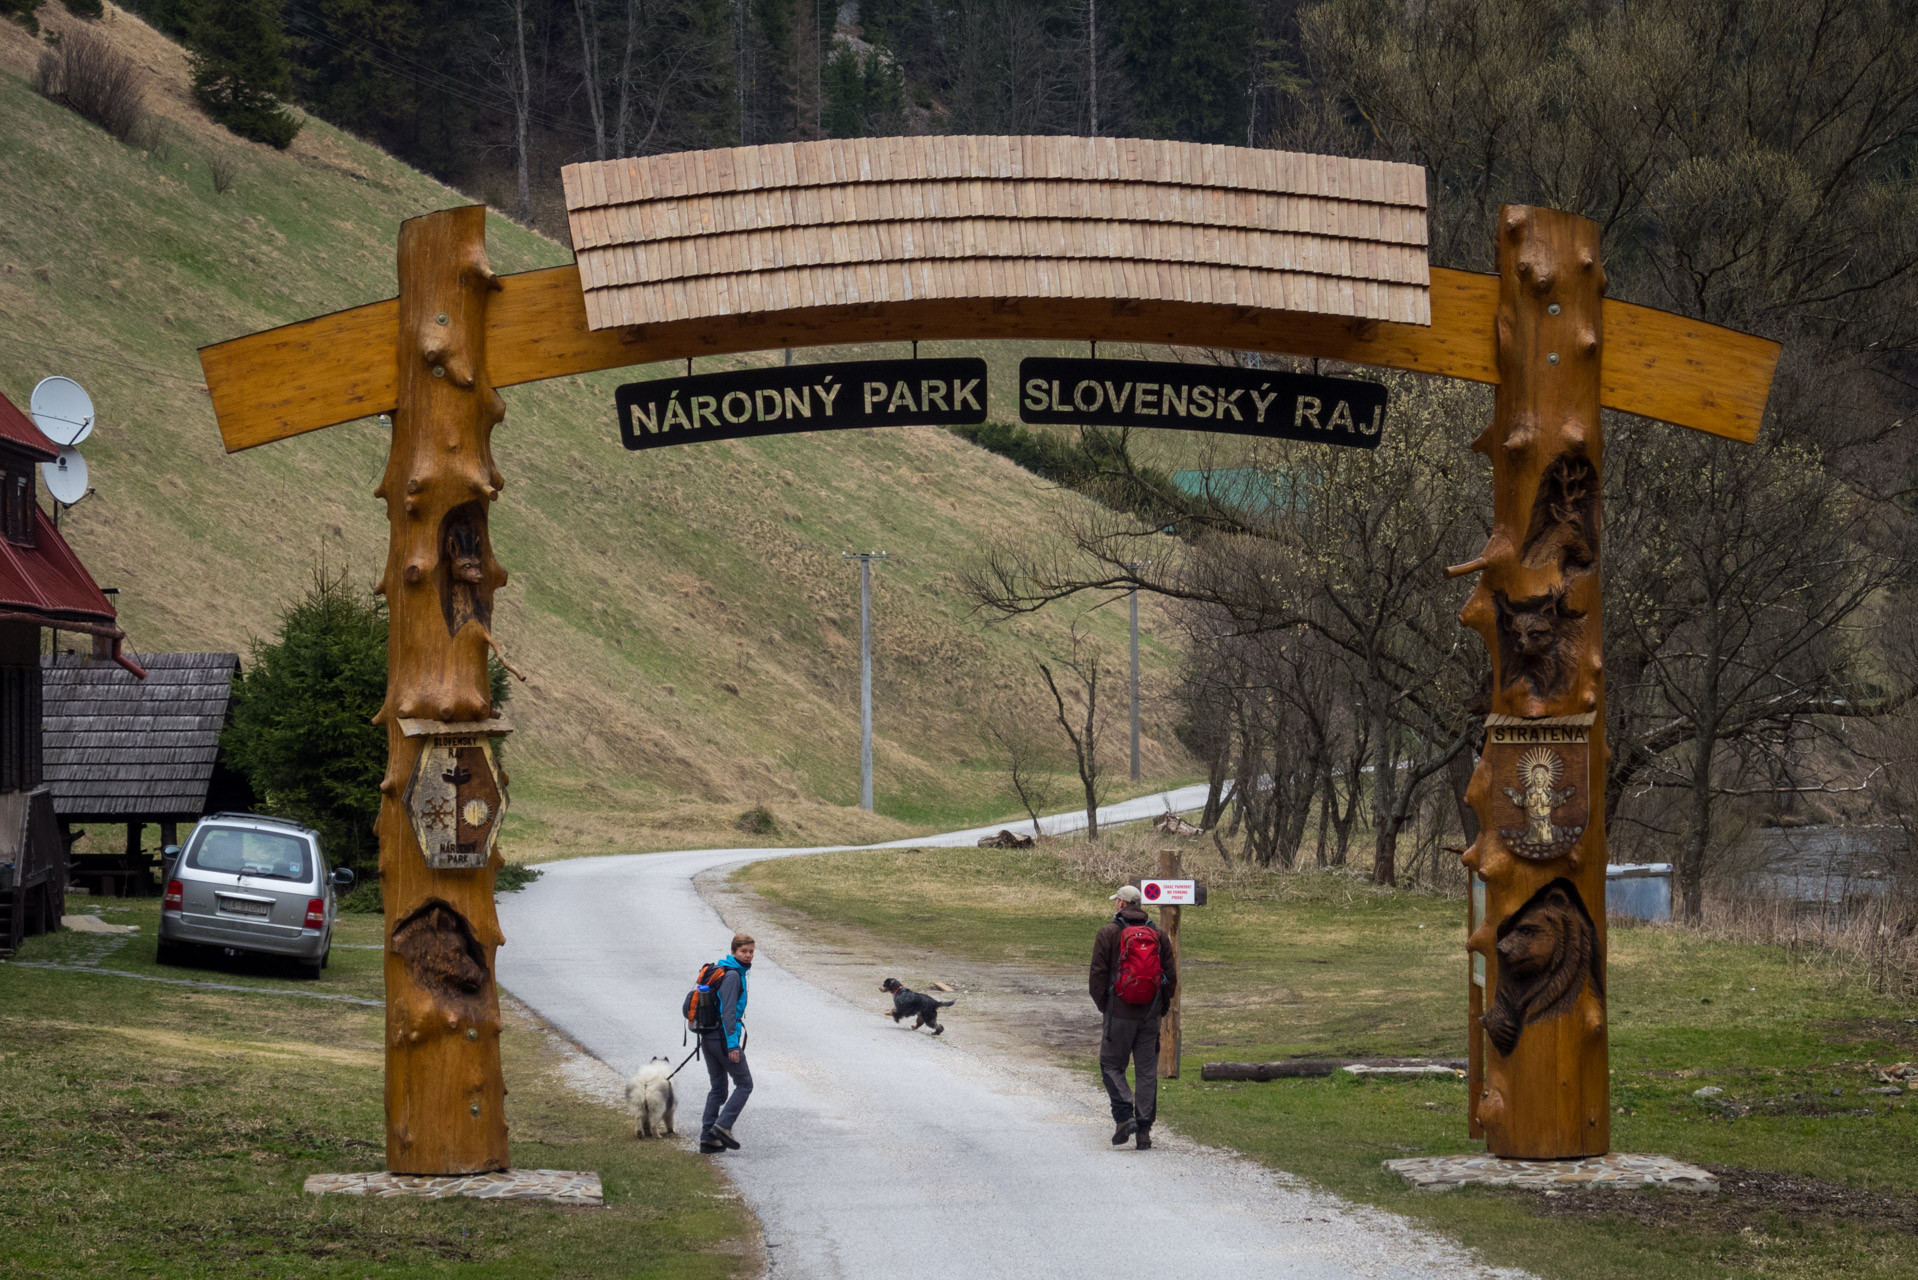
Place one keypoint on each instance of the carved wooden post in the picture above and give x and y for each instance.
(1539, 788)
(444, 1091)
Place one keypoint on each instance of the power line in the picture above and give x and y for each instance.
(100, 359)
(428, 77)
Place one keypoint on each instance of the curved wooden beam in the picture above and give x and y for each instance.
(336, 368)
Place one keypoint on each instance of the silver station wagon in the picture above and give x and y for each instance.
(250, 883)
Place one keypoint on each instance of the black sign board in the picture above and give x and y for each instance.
(1201, 397)
(805, 397)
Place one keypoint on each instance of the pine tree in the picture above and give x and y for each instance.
(350, 66)
(302, 732)
(1190, 63)
(240, 71)
(864, 93)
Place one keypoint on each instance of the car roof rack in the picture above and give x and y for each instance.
(255, 817)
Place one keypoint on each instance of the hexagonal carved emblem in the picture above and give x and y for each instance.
(455, 800)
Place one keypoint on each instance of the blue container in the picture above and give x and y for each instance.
(1641, 892)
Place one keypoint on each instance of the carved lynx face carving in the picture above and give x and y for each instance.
(1547, 952)
(1538, 641)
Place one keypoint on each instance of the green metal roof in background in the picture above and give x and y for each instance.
(1253, 490)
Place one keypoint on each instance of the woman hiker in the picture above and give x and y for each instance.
(725, 1052)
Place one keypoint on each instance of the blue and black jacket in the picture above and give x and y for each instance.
(732, 998)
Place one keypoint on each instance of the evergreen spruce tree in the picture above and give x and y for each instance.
(865, 93)
(348, 65)
(1190, 64)
(302, 732)
(240, 71)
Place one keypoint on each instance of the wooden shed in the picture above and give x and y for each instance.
(136, 751)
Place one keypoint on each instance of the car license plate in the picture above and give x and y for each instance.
(246, 907)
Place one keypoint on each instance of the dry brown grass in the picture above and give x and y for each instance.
(1122, 853)
(1872, 939)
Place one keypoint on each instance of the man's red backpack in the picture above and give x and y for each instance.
(1140, 969)
(702, 1002)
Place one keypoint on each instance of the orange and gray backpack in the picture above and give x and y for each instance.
(702, 1002)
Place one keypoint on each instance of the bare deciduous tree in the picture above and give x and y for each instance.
(1027, 763)
(1082, 664)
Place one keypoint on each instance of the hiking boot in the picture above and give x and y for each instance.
(1145, 1138)
(710, 1145)
(725, 1138)
(1125, 1130)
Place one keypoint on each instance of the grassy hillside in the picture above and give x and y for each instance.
(689, 628)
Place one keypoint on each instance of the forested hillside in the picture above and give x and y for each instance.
(689, 628)
(494, 96)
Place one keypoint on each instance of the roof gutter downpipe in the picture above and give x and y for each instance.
(125, 661)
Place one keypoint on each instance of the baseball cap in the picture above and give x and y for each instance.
(1128, 893)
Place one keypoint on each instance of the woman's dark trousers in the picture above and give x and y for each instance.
(722, 1110)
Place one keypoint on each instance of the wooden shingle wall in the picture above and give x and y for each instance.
(869, 220)
(117, 747)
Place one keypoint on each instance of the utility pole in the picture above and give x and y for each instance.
(1135, 566)
(865, 559)
(1092, 62)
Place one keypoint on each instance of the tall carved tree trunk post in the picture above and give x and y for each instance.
(444, 1091)
(1538, 789)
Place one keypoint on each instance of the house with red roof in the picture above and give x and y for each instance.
(42, 585)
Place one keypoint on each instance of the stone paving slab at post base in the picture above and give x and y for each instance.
(1625, 1172)
(561, 1186)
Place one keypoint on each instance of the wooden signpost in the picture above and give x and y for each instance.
(1171, 894)
(866, 240)
(1171, 1030)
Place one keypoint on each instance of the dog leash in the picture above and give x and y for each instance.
(689, 1057)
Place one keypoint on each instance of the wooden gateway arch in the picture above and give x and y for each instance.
(1122, 240)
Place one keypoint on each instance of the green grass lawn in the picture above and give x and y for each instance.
(1817, 1183)
(149, 1129)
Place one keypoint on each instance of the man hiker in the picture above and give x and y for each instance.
(724, 1049)
(1132, 980)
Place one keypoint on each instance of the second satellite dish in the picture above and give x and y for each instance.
(66, 476)
(62, 410)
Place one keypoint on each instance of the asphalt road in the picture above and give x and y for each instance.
(872, 1153)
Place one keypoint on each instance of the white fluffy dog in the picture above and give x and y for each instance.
(650, 1093)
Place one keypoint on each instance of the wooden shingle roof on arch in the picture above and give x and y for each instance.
(122, 749)
(798, 225)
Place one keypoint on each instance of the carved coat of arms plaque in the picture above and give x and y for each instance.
(456, 799)
(1541, 774)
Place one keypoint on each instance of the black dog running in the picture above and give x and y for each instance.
(907, 1003)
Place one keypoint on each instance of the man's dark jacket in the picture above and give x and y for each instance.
(1105, 968)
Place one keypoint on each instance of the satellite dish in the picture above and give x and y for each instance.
(66, 475)
(62, 410)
